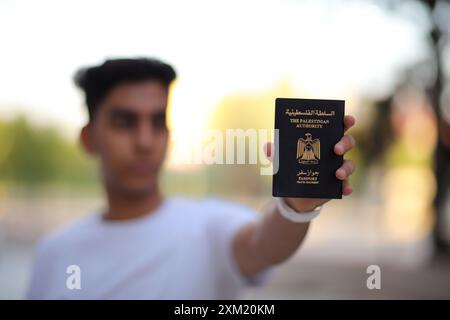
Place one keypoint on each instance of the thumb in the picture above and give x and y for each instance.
(268, 150)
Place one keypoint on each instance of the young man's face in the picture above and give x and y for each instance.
(130, 136)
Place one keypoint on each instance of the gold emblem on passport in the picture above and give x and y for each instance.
(308, 150)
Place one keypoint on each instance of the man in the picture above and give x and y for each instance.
(145, 245)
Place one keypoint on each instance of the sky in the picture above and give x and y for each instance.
(324, 48)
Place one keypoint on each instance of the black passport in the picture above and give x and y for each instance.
(305, 163)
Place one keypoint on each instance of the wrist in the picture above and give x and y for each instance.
(296, 216)
(300, 208)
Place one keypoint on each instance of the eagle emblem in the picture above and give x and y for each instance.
(308, 150)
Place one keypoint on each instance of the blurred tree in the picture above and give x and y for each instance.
(418, 76)
(33, 156)
(439, 41)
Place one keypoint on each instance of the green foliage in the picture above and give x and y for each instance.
(33, 156)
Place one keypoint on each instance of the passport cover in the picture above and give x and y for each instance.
(308, 129)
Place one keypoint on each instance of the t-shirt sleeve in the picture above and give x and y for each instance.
(225, 220)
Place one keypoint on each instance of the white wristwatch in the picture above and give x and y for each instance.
(294, 216)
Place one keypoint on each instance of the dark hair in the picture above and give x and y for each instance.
(97, 81)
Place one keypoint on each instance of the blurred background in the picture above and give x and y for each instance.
(390, 61)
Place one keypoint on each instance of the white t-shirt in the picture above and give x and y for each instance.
(180, 251)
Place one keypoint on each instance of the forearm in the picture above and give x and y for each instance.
(269, 241)
(277, 238)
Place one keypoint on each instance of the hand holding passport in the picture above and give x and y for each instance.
(309, 166)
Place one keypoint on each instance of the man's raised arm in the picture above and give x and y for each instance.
(274, 238)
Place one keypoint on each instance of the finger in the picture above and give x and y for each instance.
(347, 168)
(268, 150)
(346, 188)
(345, 144)
(349, 121)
